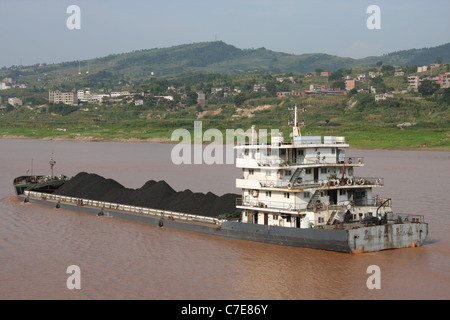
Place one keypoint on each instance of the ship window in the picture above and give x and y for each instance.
(306, 194)
(250, 171)
(268, 193)
(287, 172)
(342, 192)
(333, 150)
(300, 152)
(308, 171)
(286, 195)
(323, 170)
(246, 152)
(275, 217)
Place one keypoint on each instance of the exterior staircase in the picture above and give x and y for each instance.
(296, 175)
(313, 200)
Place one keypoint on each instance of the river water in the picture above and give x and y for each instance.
(127, 260)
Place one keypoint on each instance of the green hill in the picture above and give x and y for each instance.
(216, 57)
(224, 58)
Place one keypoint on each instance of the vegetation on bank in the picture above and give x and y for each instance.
(407, 121)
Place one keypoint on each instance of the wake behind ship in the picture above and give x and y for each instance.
(301, 193)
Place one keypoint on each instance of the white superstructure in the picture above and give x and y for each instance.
(305, 183)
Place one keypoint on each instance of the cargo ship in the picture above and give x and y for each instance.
(300, 193)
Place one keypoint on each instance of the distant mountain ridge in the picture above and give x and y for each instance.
(221, 57)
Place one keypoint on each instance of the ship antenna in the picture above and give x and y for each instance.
(295, 128)
(52, 163)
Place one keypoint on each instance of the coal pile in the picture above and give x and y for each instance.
(153, 194)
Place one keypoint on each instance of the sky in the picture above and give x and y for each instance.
(36, 31)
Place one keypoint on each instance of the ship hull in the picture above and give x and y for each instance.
(365, 239)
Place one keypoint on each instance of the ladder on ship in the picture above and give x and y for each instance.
(333, 214)
(313, 200)
(296, 176)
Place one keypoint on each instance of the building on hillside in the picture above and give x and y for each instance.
(4, 86)
(15, 102)
(201, 98)
(350, 84)
(373, 74)
(434, 66)
(413, 82)
(69, 98)
(444, 80)
(120, 94)
(327, 92)
(325, 73)
(284, 94)
(383, 96)
(422, 69)
(362, 76)
(259, 87)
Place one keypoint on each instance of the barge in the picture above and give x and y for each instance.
(301, 193)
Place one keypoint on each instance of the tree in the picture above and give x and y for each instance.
(191, 98)
(387, 68)
(338, 84)
(446, 96)
(337, 75)
(239, 99)
(428, 88)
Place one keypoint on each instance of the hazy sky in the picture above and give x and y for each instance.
(35, 31)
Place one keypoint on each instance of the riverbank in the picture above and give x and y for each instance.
(355, 143)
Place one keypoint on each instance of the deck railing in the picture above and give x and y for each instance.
(121, 207)
(277, 205)
(278, 162)
(347, 182)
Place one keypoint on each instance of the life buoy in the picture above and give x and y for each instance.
(299, 180)
(361, 182)
(349, 182)
(289, 185)
(255, 193)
